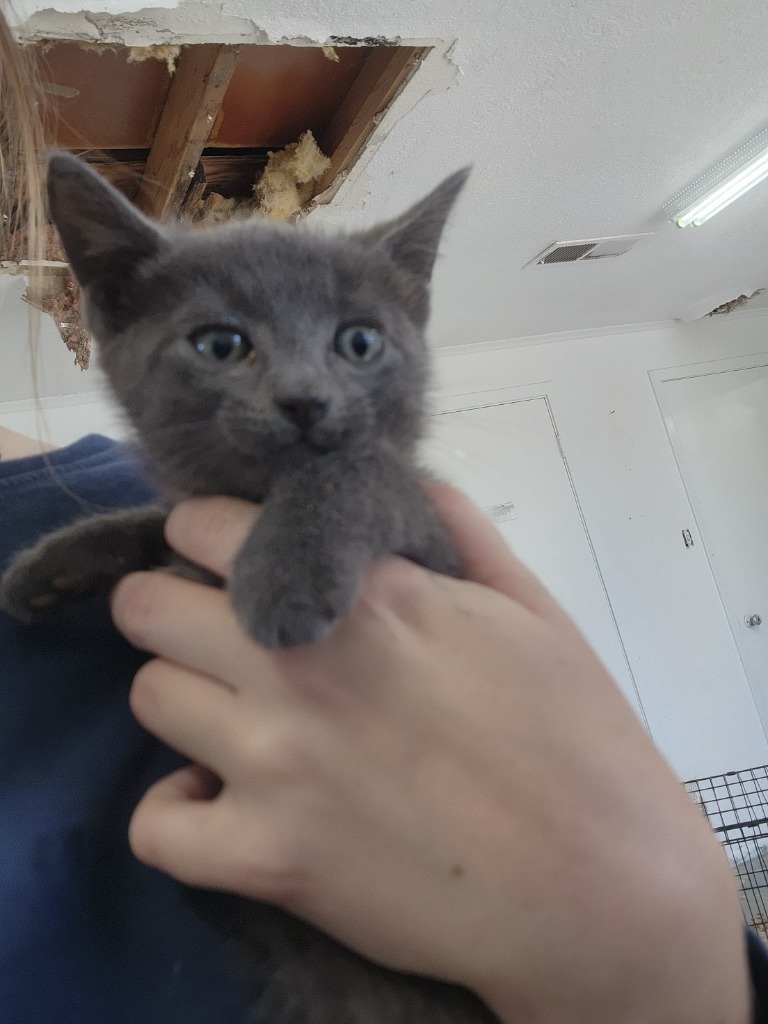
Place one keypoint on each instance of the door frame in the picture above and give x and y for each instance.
(444, 404)
(658, 379)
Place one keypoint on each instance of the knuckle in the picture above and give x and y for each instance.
(394, 585)
(142, 697)
(271, 869)
(136, 603)
(203, 524)
(278, 758)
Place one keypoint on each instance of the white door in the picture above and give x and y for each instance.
(718, 423)
(508, 460)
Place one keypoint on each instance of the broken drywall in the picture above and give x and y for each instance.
(335, 24)
(725, 300)
(144, 26)
(125, 23)
(438, 73)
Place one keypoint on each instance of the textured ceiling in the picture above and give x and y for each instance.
(581, 119)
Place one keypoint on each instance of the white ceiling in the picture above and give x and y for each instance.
(581, 118)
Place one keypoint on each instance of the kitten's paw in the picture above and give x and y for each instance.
(33, 586)
(293, 621)
(286, 621)
(285, 616)
(88, 557)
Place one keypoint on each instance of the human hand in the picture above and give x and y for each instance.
(450, 783)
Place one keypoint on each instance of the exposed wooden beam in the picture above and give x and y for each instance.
(384, 73)
(194, 100)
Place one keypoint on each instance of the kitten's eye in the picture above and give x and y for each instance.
(358, 344)
(223, 344)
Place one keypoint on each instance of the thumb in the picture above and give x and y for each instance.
(210, 531)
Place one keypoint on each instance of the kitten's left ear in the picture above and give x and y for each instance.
(104, 236)
(411, 241)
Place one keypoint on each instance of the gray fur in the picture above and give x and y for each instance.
(326, 444)
(337, 494)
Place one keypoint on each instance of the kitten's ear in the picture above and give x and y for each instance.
(411, 241)
(104, 236)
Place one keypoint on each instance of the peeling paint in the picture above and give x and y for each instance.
(139, 23)
(728, 307)
(140, 26)
(365, 41)
(438, 73)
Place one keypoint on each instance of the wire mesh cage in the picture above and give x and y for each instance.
(736, 805)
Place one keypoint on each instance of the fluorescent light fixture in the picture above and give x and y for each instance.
(727, 181)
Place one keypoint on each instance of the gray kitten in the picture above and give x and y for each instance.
(264, 362)
(286, 367)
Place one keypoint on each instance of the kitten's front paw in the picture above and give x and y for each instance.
(88, 557)
(32, 586)
(292, 621)
(285, 612)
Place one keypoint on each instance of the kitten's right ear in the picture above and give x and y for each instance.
(104, 236)
(411, 240)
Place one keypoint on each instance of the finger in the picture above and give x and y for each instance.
(210, 531)
(194, 782)
(185, 622)
(174, 822)
(205, 842)
(189, 712)
(483, 552)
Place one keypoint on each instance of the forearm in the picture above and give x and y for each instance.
(675, 958)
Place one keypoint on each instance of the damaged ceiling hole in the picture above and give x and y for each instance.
(209, 131)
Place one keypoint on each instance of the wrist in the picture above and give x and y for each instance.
(697, 968)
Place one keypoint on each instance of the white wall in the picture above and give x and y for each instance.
(57, 373)
(58, 402)
(60, 421)
(694, 691)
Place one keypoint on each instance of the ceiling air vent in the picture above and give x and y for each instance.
(587, 249)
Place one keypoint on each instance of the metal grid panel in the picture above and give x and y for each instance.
(736, 805)
(567, 252)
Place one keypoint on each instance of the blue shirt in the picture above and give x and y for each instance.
(87, 934)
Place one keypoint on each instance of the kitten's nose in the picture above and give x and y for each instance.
(304, 411)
